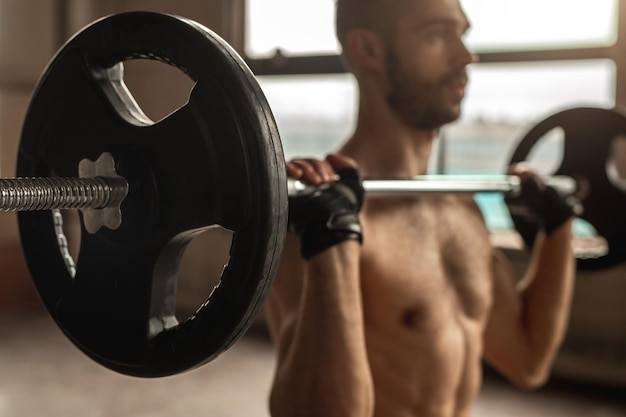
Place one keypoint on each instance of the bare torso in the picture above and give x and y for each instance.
(426, 288)
(426, 283)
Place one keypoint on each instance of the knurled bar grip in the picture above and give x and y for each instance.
(30, 194)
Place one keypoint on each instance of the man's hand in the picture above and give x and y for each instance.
(538, 203)
(330, 214)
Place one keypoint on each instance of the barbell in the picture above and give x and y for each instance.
(145, 189)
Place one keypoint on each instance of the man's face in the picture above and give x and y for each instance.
(426, 64)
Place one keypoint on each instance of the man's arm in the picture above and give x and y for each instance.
(529, 319)
(315, 312)
(322, 365)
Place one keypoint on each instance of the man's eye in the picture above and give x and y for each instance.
(441, 34)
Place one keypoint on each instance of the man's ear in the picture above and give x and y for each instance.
(365, 50)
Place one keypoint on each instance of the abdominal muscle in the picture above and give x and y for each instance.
(433, 376)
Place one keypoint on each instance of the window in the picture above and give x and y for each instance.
(315, 113)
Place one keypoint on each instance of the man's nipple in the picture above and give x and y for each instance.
(413, 318)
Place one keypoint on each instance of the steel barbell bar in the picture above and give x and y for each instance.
(427, 184)
(30, 194)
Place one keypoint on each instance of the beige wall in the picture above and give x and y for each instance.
(30, 33)
(26, 45)
(27, 40)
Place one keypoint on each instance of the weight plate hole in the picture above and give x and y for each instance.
(616, 164)
(148, 81)
(547, 155)
(200, 269)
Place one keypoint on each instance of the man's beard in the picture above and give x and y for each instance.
(418, 103)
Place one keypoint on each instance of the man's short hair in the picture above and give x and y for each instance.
(376, 15)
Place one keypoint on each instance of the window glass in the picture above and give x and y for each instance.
(315, 114)
(296, 27)
(502, 100)
(540, 24)
(307, 26)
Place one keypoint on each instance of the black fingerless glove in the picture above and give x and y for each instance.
(541, 204)
(329, 215)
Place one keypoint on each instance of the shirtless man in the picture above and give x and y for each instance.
(396, 324)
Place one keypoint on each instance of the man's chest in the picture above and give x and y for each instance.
(433, 259)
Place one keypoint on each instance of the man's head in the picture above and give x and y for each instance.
(415, 47)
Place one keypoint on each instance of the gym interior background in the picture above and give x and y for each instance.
(519, 81)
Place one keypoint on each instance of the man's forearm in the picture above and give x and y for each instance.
(325, 369)
(546, 297)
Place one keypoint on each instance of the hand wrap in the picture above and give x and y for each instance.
(541, 204)
(329, 215)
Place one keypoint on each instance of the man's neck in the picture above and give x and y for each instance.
(385, 148)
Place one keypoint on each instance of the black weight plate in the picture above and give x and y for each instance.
(590, 134)
(215, 161)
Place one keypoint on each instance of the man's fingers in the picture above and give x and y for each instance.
(524, 171)
(311, 171)
(317, 172)
(293, 171)
(339, 162)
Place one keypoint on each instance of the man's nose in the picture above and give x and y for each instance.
(464, 57)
